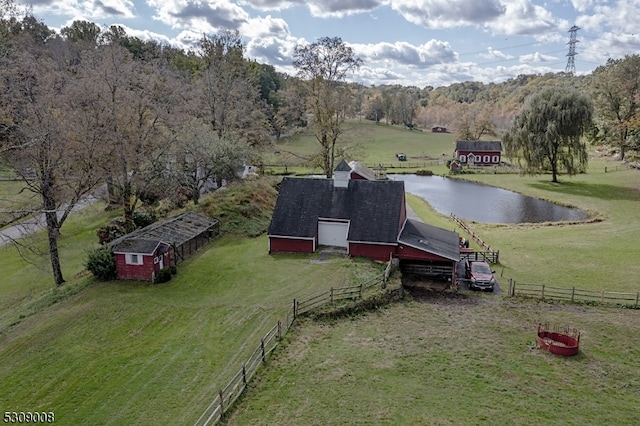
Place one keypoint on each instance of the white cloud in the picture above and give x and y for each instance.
(203, 16)
(264, 26)
(430, 53)
(522, 17)
(449, 13)
(537, 57)
(496, 54)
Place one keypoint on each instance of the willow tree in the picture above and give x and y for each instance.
(323, 65)
(547, 134)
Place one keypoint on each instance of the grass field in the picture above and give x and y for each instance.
(455, 360)
(369, 143)
(133, 353)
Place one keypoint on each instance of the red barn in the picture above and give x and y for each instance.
(365, 217)
(138, 259)
(479, 153)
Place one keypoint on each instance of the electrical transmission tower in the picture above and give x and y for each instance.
(571, 63)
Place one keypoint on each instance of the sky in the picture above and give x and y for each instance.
(408, 42)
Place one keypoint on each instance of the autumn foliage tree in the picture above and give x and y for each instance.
(616, 88)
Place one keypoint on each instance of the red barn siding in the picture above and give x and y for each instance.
(410, 253)
(357, 176)
(144, 272)
(373, 251)
(283, 244)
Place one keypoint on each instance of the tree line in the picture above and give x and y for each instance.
(91, 106)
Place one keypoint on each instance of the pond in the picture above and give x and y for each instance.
(484, 203)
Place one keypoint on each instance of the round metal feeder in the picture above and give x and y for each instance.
(563, 341)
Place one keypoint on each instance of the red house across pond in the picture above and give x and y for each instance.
(479, 153)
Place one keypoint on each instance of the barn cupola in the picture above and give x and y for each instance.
(341, 175)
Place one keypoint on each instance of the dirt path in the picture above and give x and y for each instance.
(27, 227)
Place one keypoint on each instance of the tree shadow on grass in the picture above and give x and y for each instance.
(594, 190)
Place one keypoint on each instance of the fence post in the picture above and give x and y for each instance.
(513, 288)
(573, 293)
(637, 298)
(221, 402)
(542, 291)
(279, 336)
(331, 295)
(295, 309)
(262, 348)
(244, 375)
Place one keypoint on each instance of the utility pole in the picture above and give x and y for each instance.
(571, 63)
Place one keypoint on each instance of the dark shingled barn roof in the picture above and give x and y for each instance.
(431, 239)
(479, 146)
(141, 246)
(373, 208)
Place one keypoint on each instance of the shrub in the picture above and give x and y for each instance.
(101, 263)
(112, 230)
(143, 218)
(424, 172)
(163, 276)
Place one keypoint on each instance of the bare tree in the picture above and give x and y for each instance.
(474, 121)
(230, 101)
(133, 101)
(52, 148)
(324, 65)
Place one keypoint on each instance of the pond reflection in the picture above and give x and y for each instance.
(484, 203)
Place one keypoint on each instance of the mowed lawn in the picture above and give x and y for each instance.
(456, 360)
(135, 353)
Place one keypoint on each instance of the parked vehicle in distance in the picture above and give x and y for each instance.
(401, 156)
(479, 275)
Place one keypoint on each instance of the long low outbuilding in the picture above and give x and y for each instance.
(141, 254)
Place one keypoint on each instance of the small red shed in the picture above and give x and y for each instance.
(140, 259)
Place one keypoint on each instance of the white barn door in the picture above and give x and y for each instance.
(333, 234)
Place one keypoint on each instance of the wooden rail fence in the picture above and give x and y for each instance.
(489, 252)
(544, 291)
(228, 395)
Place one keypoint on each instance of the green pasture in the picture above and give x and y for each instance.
(461, 360)
(26, 273)
(136, 353)
(369, 143)
(14, 198)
